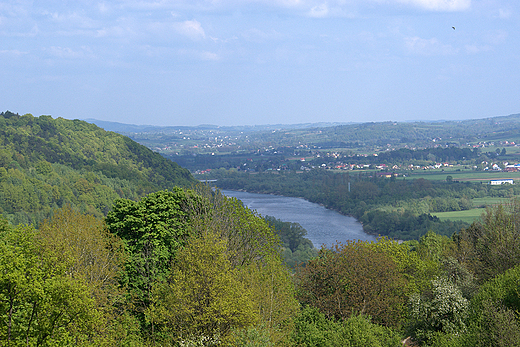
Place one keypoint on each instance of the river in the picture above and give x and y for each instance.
(324, 227)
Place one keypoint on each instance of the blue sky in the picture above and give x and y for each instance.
(246, 62)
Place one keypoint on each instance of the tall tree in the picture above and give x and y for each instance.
(152, 230)
(491, 245)
(353, 279)
(203, 299)
(41, 303)
(444, 311)
(91, 252)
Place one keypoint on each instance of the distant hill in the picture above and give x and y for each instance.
(370, 136)
(395, 135)
(426, 133)
(46, 163)
(133, 128)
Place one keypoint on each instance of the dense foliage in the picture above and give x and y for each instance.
(200, 264)
(491, 245)
(312, 328)
(58, 286)
(152, 230)
(47, 163)
(193, 267)
(354, 278)
(296, 249)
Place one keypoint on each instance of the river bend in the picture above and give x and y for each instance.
(324, 227)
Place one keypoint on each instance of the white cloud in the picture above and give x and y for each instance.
(198, 55)
(496, 37)
(474, 49)
(209, 56)
(68, 53)
(72, 19)
(190, 28)
(431, 46)
(115, 31)
(150, 5)
(310, 8)
(439, 5)
(320, 8)
(22, 32)
(319, 11)
(103, 7)
(256, 35)
(13, 52)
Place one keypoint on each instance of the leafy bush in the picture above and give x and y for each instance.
(313, 329)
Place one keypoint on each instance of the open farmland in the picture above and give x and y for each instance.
(468, 216)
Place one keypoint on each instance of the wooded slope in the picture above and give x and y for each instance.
(47, 163)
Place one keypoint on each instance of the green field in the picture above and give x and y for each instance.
(489, 201)
(468, 216)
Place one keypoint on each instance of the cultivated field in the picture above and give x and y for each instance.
(468, 216)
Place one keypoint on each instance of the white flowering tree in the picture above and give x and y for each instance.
(444, 311)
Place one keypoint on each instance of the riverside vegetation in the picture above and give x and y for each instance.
(397, 208)
(187, 266)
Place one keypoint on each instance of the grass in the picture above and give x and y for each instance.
(488, 201)
(468, 216)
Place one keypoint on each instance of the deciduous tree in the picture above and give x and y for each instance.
(353, 278)
(203, 298)
(40, 302)
(491, 245)
(83, 243)
(152, 230)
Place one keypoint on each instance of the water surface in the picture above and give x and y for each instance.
(323, 226)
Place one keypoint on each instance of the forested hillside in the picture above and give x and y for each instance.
(47, 163)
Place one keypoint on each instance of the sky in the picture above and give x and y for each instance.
(252, 62)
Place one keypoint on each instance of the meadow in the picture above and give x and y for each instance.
(468, 216)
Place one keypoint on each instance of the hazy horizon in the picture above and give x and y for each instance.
(93, 120)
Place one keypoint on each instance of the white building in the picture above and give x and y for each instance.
(499, 182)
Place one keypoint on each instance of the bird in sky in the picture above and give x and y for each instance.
(453, 28)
